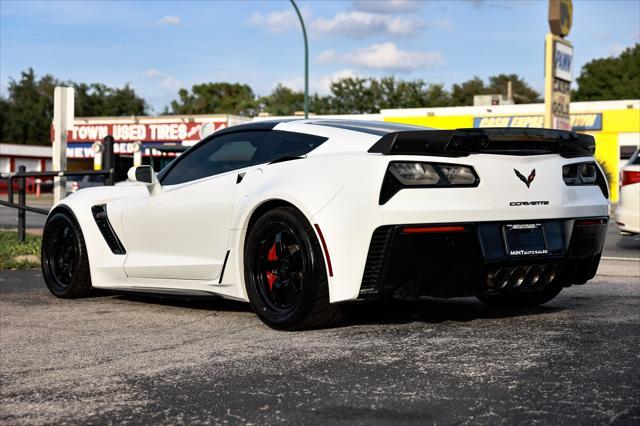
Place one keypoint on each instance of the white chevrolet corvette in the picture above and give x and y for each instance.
(298, 217)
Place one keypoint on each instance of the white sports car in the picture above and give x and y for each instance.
(298, 217)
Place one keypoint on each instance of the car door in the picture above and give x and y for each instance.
(182, 232)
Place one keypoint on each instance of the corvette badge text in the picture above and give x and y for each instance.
(529, 203)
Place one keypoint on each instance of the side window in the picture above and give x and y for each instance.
(219, 155)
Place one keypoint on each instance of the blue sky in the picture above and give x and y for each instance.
(159, 47)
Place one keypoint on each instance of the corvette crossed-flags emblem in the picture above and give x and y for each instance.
(527, 180)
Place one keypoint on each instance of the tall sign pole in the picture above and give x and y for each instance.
(63, 111)
(306, 60)
(558, 68)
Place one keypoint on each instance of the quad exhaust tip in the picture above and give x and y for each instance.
(521, 276)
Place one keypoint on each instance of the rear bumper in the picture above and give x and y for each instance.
(470, 259)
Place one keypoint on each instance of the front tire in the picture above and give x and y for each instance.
(65, 265)
(285, 273)
(521, 300)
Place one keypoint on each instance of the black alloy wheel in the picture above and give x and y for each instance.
(285, 273)
(64, 260)
(280, 272)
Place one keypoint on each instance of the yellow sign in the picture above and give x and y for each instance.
(557, 91)
(591, 122)
(560, 17)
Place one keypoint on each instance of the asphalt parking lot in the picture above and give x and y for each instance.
(131, 359)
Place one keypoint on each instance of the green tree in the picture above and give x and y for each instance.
(29, 109)
(320, 104)
(351, 96)
(4, 111)
(356, 95)
(96, 99)
(436, 96)
(522, 92)
(610, 78)
(26, 114)
(216, 98)
(283, 101)
(462, 94)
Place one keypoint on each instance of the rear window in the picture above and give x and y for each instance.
(294, 144)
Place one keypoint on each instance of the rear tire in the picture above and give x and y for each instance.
(521, 300)
(285, 273)
(65, 265)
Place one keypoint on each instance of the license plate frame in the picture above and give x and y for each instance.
(524, 239)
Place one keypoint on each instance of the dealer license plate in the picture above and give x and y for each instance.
(525, 239)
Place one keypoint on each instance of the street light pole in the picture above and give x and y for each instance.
(306, 61)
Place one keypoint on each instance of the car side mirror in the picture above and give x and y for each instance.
(146, 175)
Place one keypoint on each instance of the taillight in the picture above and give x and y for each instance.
(586, 173)
(417, 174)
(627, 177)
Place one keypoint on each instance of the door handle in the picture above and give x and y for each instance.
(240, 177)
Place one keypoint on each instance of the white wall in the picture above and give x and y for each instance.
(32, 164)
(4, 165)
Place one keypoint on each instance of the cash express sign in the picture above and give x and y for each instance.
(581, 121)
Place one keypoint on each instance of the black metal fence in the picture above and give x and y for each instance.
(22, 175)
(21, 205)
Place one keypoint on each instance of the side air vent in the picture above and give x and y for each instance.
(375, 262)
(102, 220)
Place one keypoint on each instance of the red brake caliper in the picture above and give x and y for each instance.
(271, 257)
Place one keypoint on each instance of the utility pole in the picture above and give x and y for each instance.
(306, 61)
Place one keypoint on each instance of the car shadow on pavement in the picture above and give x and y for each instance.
(379, 312)
(436, 311)
(207, 303)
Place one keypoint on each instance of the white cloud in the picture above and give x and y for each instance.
(388, 6)
(152, 72)
(327, 56)
(384, 56)
(169, 20)
(362, 24)
(279, 21)
(351, 23)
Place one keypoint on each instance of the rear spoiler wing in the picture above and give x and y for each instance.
(495, 140)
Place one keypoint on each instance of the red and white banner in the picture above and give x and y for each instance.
(151, 132)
